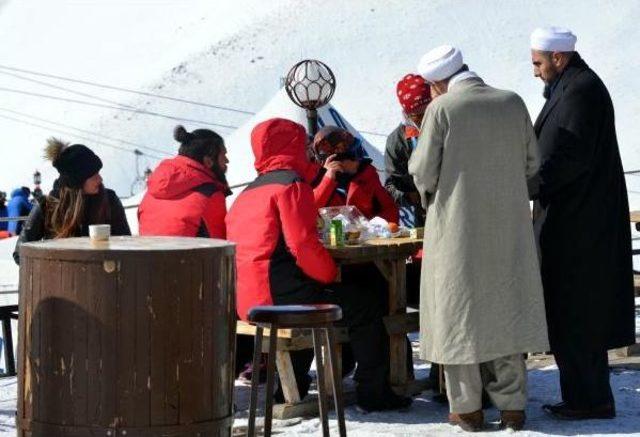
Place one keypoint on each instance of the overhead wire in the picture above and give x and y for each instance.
(126, 90)
(99, 105)
(68, 90)
(100, 143)
(55, 123)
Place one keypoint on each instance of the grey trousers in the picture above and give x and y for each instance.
(504, 379)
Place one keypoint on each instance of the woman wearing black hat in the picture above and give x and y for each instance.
(78, 199)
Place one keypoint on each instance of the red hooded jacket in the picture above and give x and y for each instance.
(364, 191)
(273, 222)
(183, 198)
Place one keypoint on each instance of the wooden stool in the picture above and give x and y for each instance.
(318, 318)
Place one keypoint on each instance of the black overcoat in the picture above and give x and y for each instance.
(581, 215)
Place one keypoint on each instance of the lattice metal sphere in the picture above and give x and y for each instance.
(310, 84)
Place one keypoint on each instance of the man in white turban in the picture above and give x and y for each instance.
(481, 303)
(581, 218)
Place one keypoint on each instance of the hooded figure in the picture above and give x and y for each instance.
(280, 260)
(481, 293)
(186, 194)
(78, 199)
(18, 206)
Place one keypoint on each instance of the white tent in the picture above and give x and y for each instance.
(238, 144)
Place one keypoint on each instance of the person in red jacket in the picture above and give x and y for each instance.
(344, 179)
(186, 194)
(281, 261)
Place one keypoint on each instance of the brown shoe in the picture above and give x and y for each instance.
(512, 419)
(471, 422)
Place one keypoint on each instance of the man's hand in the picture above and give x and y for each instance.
(333, 167)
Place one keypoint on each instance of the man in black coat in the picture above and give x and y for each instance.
(581, 217)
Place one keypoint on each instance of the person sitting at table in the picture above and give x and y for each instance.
(342, 177)
(186, 194)
(281, 261)
(78, 199)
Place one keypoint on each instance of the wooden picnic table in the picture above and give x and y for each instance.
(390, 256)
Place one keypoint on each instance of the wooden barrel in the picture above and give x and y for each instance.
(133, 337)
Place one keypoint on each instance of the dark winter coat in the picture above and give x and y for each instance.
(363, 190)
(184, 198)
(273, 222)
(18, 206)
(34, 228)
(3, 214)
(581, 216)
(399, 183)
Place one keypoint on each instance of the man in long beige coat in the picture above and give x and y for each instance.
(481, 295)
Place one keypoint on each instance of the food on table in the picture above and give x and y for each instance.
(393, 227)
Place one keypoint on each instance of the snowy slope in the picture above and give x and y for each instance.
(224, 54)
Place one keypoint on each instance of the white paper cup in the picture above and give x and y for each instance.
(99, 232)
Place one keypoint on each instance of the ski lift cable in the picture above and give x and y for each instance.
(44, 120)
(93, 141)
(143, 93)
(68, 90)
(100, 105)
(126, 90)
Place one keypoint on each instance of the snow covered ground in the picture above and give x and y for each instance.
(425, 418)
(221, 54)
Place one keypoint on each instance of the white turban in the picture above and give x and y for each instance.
(440, 63)
(553, 39)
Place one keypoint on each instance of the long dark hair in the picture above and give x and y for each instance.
(68, 211)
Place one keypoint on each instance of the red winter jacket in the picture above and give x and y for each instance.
(273, 222)
(364, 191)
(183, 198)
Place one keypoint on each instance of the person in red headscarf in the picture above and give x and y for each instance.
(414, 96)
(280, 260)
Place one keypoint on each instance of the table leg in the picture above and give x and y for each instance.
(398, 375)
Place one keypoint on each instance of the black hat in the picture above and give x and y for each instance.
(75, 163)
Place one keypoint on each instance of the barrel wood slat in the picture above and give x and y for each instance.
(113, 338)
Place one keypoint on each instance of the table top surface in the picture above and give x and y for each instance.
(126, 244)
(377, 248)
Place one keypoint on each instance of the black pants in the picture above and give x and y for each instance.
(362, 311)
(584, 377)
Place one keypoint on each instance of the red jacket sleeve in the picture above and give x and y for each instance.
(298, 218)
(323, 191)
(388, 207)
(215, 214)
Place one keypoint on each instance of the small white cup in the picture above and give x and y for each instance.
(99, 232)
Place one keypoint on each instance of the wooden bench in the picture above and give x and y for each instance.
(293, 340)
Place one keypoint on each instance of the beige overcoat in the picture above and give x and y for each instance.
(481, 293)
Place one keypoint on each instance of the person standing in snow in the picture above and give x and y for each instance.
(414, 95)
(581, 217)
(18, 206)
(481, 302)
(3, 211)
(281, 261)
(78, 199)
(186, 194)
